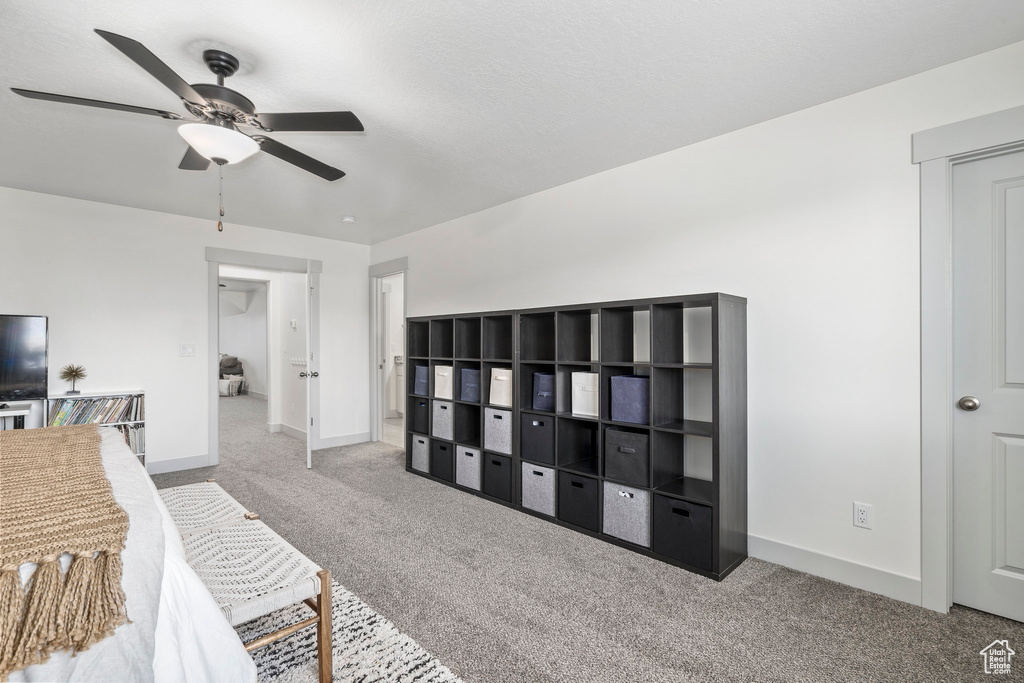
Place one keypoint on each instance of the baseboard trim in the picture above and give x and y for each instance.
(889, 584)
(256, 394)
(177, 464)
(344, 440)
(287, 429)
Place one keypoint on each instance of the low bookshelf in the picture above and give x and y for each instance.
(124, 411)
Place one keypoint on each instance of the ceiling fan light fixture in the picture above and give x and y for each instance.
(217, 143)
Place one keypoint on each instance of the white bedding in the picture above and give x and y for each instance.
(177, 634)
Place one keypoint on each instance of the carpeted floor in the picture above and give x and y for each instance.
(498, 595)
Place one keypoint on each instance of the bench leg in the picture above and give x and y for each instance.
(323, 628)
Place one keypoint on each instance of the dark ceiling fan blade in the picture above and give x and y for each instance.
(306, 163)
(138, 53)
(68, 99)
(193, 161)
(312, 121)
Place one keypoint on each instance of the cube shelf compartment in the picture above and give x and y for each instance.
(497, 344)
(460, 387)
(467, 338)
(626, 334)
(419, 339)
(537, 336)
(578, 445)
(467, 425)
(578, 334)
(442, 338)
(672, 487)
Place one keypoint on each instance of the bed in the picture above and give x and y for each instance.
(176, 631)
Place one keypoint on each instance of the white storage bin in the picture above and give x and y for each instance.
(443, 381)
(501, 387)
(585, 393)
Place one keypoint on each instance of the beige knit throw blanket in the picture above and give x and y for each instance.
(55, 499)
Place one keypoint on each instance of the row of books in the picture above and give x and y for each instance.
(99, 410)
(134, 436)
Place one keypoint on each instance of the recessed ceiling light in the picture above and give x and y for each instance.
(348, 219)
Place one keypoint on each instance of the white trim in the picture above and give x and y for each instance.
(889, 584)
(275, 427)
(937, 150)
(213, 366)
(344, 440)
(252, 259)
(177, 464)
(256, 394)
(398, 265)
(962, 137)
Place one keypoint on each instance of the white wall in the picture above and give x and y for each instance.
(243, 333)
(124, 287)
(814, 218)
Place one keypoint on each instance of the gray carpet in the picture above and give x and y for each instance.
(498, 595)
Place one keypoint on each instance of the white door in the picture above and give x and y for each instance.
(988, 385)
(313, 363)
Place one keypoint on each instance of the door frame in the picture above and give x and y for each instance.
(215, 257)
(377, 272)
(937, 151)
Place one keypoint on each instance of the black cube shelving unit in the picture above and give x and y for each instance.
(691, 453)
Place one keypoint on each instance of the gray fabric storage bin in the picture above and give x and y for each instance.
(627, 457)
(421, 454)
(630, 398)
(498, 430)
(467, 467)
(443, 420)
(627, 513)
(539, 489)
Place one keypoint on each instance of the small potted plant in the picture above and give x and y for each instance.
(72, 373)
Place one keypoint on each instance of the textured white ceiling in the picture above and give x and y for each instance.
(466, 104)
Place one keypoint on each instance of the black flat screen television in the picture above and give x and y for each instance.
(23, 346)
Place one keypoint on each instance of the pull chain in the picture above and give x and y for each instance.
(220, 171)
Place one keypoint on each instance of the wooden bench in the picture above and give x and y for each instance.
(249, 569)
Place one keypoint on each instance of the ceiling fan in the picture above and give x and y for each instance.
(214, 135)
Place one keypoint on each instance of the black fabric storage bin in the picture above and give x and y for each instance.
(537, 438)
(498, 476)
(544, 391)
(578, 500)
(682, 531)
(421, 416)
(441, 460)
(421, 387)
(627, 457)
(469, 382)
(630, 398)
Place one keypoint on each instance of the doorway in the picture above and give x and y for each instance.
(291, 341)
(391, 336)
(244, 346)
(972, 384)
(388, 298)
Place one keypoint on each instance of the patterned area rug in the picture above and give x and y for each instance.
(367, 647)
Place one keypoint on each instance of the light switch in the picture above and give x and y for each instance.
(186, 350)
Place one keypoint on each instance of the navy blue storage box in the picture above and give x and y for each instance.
(420, 416)
(630, 398)
(469, 381)
(544, 391)
(422, 385)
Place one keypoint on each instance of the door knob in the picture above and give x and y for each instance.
(314, 374)
(303, 375)
(969, 403)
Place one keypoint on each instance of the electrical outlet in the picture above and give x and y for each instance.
(862, 515)
(186, 350)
